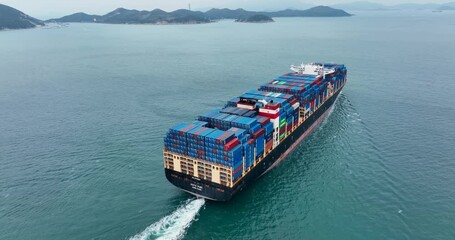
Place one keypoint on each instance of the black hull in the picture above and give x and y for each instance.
(217, 192)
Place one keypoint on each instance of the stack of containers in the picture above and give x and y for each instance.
(254, 127)
(207, 117)
(337, 78)
(238, 168)
(316, 99)
(200, 123)
(228, 110)
(234, 111)
(233, 102)
(196, 141)
(292, 101)
(252, 147)
(250, 114)
(249, 124)
(225, 121)
(240, 111)
(238, 132)
(216, 146)
(245, 138)
(272, 111)
(295, 113)
(282, 129)
(300, 86)
(289, 120)
(248, 149)
(223, 147)
(270, 95)
(218, 121)
(265, 123)
(175, 140)
(259, 139)
(289, 117)
(284, 111)
(262, 120)
(268, 136)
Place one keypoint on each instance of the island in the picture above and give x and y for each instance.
(11, 18)
(258, 18)
(184, 16)
(127, 16)
(76, 17)
(319, 11)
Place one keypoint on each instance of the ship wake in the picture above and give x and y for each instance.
(174, 225)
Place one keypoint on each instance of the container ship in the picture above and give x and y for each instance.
(224, 150)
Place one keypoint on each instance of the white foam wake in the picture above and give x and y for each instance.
(173, 226)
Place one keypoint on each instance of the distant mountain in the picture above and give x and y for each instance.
(158, 16)
(126, 16)
(226, 13)
(187, 16)
(258, 18)
(324, 11)
(77, 17)
(11, 18)
(319, 11)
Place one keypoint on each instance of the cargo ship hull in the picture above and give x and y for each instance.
(218, 192)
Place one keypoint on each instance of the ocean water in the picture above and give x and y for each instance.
(84, 109)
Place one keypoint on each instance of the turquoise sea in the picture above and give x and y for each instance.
(84, 109)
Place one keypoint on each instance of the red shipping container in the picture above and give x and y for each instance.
(228, 146)
(269, 145)
(272, 106)
(282, 129)
(258, 133)
(289, 127)
(269, 115)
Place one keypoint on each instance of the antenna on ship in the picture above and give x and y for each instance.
(189, 6)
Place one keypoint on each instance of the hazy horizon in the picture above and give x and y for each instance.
(52, 8)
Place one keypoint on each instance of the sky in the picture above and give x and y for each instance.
(45, 9)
